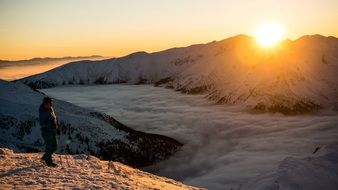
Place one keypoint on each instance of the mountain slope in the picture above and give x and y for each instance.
(310, 173)
(295, 77)
(23, 171)
(83, 131)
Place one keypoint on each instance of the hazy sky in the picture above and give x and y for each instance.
(38, 28)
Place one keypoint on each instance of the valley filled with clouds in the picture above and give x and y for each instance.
(224, 146)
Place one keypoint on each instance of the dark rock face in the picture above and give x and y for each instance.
(140, 149)
(18, 128)
(300, 107)
(40, 84)
(194, 90)
(163, 81)
(151, 147)
(141, 80)
(100, 80)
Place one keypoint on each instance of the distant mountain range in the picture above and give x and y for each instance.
(45, 59)
(298, 76)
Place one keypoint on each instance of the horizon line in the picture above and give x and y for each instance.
(160, 50)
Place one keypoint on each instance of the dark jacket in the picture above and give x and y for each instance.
(47, 119)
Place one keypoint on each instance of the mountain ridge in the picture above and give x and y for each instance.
(294, 77)
(50, 58)
(83, 130)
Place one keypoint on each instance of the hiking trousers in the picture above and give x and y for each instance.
(50, 145)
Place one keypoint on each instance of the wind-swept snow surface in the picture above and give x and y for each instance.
(25, 171)
(310, 173)
(296, 77)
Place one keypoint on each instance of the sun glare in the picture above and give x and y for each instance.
(268, 35)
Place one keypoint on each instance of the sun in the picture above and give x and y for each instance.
(268, 35)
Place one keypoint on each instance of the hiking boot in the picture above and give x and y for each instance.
(51, 164)
(43, 158)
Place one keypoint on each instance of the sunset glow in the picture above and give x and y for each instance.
(269, 35)
(169, 94)
(39, 28)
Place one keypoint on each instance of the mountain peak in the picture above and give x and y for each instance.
(231, 71)
(316, 37)
(239, 37)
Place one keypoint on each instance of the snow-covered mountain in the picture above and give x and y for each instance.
(83, 130)
(311, 173)
(295, 77)
(25, 171)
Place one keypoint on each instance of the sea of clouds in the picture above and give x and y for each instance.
(224, 146)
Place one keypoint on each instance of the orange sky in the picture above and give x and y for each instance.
(40, 28)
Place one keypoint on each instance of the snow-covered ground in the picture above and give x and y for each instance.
(309, 173)
(25, 171)
(224, 146)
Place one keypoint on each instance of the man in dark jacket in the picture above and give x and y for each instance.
(49, 129)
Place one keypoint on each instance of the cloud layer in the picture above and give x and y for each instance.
(224, 146)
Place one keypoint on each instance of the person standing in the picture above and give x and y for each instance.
(49, 129)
